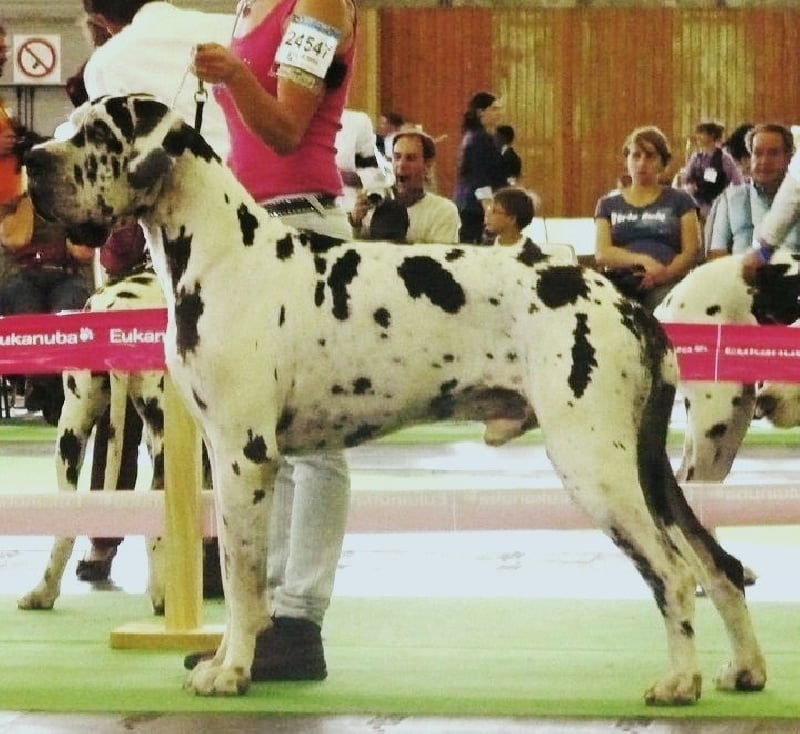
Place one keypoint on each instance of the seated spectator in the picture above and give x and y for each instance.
(44, 273)
(512, 163)
(511, 210)
(647, 228)
(739, 209)
(431, 218)
(710, 168)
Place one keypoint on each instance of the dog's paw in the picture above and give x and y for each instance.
(675, 690)
(208, 679)
(36, 599)
(750, 678)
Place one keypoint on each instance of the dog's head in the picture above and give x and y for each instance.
(111, 164)
(776, 296)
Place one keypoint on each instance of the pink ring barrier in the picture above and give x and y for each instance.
(134, 340)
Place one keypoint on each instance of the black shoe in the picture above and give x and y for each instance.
(94, 570)
(289, 650)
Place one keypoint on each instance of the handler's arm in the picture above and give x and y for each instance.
(280, 121)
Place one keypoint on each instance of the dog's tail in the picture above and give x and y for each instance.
(665, 498)
(116, 430)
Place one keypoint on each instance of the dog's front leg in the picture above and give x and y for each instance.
(243, 490)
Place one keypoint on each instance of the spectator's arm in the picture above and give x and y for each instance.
(686, 259)
(80, 253)
(16, 228)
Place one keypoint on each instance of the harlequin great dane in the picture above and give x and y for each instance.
(719, 414)
(332, 344)
(86, 396)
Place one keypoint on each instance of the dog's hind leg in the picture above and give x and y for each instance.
(722, 576)
(85, 397)
(244, 478)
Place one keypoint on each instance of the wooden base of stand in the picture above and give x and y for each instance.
(155, 636)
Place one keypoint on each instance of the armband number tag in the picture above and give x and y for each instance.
(308, 45)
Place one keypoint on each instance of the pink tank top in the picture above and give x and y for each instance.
(311, 167)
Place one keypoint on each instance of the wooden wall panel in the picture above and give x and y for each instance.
(575, 81)
(432, 62)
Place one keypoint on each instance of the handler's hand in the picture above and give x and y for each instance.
(752, 262)
(214, 64)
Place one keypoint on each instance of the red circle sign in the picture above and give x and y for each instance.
(36, 57)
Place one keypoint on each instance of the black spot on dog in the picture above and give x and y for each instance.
(72, 386)
(454, 254)
(531, 254)
(382, 317)
(282, 316)
(442, 406)
(284, 247)
(188, 310)
(320, 242)
(363, 433)
(362, 386)
(153, 413)
(319, 294)
(184, 137)
(255, 449)
(126, 295)
(343, 273)
(717, 431)
(320, 265)
(198, 401)
(686, 629)
(713, 310)
(69, 449)
(337, 390)
(285, 421)
(248, 224)
(561, 285)
(178, 250)
(424, 276)
(583, 357)
(258, 496)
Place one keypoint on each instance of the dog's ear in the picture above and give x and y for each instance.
(776, 297)
(146, 170)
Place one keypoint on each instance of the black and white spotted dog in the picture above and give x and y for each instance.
(86, 396)
(283, 344)
(719, 414)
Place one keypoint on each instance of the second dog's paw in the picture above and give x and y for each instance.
(36, 599)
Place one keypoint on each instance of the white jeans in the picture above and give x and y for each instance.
(310, 502)
(309, 517)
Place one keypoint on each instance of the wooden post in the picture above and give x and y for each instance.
(182, 625)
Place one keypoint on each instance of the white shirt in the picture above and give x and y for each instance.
(152, 55)
(433, 219)
(355, 139)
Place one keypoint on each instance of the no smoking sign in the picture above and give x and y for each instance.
(37, 59)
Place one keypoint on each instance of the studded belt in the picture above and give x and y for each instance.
(283, 206)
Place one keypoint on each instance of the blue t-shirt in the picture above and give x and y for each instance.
(654, 229)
